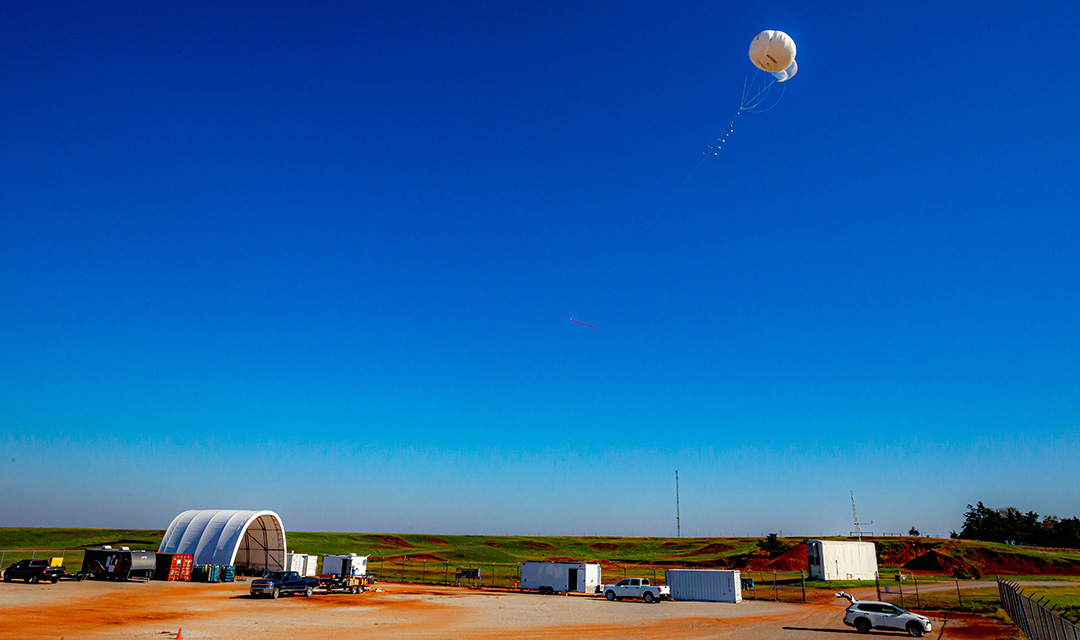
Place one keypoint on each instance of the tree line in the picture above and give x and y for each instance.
(1011, 526)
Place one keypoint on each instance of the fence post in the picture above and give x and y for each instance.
(401, 572)
(423, 572)
(775, 593)
(802, 579)
(900, 583)
(446, 574)
(959, 600)
(877, 584)
(2, 559)
(918, 603)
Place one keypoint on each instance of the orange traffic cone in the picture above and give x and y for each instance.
(180, 634)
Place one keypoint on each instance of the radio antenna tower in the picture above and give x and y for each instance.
(678, 524)
(855, 517)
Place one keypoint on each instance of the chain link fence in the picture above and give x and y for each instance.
(1033, 617)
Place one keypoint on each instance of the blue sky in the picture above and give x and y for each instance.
(260, 255)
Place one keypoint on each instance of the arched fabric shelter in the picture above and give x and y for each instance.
(246, 539)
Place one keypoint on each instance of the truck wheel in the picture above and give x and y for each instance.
(648, 597)
(7, 578)
(862, 625)
(27, 579)
(610, 595)
(275, 593)
(308, 592)
(55, 579)
(914, 629)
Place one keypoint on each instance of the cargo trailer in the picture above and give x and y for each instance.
(841, 560)
(353, 564)
(560, 577)
(174, 566)
(107, 563)
(704, 585)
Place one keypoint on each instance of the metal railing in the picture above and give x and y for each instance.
(1033, 617)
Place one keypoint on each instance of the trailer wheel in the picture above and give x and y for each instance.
(308, 592)
(610, 595)
(275, 593)
(648, 597)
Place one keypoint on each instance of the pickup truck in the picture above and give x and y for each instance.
(33, 571)
(636, 588)
(277, 583)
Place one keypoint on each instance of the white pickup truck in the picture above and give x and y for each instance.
(636, 588)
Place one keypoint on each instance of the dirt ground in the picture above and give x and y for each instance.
(76, 610)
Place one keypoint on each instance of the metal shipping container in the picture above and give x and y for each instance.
(174, 566)
(301, 563)
(841, 560)
(573, 577)
(704, 585)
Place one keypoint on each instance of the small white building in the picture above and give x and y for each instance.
(570, 577)
(302, 563)
(704, 585)
(841, 560)
(357, 565)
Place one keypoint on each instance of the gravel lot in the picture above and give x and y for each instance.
(158, 609)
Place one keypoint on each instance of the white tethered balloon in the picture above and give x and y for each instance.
(774, 52)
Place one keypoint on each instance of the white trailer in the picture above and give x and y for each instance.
(357, 565)
(841, 560)
(561, 577)
(302, 563)
(704, 585)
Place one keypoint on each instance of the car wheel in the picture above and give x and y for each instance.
(648, 597)
(275, 593)
(914, 629)
(610, 595)
(862, 625)
(308, 592)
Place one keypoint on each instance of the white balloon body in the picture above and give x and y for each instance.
(772, 51)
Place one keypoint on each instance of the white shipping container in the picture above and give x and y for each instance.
(841, 560)
(704, 585)
(301, 563)
(574, 577)
(333, 564)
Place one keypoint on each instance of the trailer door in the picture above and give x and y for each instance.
(572, 580)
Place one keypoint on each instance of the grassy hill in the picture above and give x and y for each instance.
(930, 555)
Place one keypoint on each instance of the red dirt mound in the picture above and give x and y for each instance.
(991, 563)
(393, 541)
(794, 559)
(604, 546)
(438, 541)
(493, 544)
(413, 558)
(532, 544)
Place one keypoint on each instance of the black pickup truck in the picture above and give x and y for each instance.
(278, 583)
(33, 571)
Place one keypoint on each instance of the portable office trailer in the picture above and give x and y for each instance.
(841, 560)
(704, 585)
(549, 577)
(107, 563)
(352, 565)
(302, 563)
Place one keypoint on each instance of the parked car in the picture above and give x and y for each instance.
(637, 588)
(33, 571)
(865, 615)
(278, 583)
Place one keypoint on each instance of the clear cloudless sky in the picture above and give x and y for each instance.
(321, 258)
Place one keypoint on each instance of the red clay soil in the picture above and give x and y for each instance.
(989, 562)
(604, 546)
(417, 557)
(794, 559)
(438, 541)
(532, 544)
(493, 544)
(393, 541)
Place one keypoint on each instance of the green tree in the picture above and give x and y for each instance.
(913, 531)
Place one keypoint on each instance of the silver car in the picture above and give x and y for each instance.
(865, 615)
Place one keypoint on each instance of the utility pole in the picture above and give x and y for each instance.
(678, 523)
